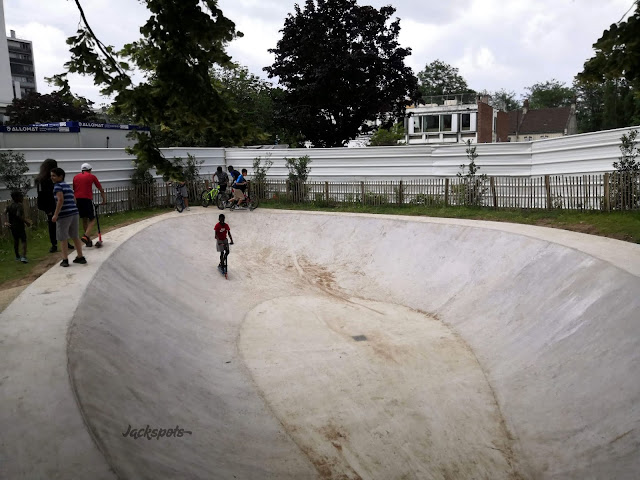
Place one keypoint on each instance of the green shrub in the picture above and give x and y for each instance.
(13, 167)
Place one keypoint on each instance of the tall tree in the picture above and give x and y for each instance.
(51, 107)
(180, 42)
(440, 78)
(615, 69)
(589, 104)
(505, 100)
(550, 94)
(617, 53)
(341, 65)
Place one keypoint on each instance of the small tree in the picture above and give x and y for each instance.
(260, 175)
(299, 170)
(13, 167)
(144, 186)
(389, 136)
(624, 181)
(472, 190)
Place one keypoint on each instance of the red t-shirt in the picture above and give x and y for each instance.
(82, 184)
(221, 231)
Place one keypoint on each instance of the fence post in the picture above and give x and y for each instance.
(547, 187)
(326, 192)
(446, 192)
(362, 192)
(288, 188)
(129, 201)
(494, 194)
(400, 194)
(607, 193)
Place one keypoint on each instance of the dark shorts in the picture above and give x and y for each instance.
(85, 208)
(19, 233)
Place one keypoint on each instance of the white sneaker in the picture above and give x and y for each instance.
(188, 208)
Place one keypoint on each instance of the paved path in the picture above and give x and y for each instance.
(341, 347)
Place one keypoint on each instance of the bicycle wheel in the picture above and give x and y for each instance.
(204, 198)
(221, 200)
(179, 203)
(253, 203)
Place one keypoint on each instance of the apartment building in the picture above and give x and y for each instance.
(455, 119)
(23, 75)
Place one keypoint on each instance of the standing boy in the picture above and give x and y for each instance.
(66, 217)
(222, 244)
(83, 188)
(16, 223)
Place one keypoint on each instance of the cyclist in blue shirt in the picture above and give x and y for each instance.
(239, 186)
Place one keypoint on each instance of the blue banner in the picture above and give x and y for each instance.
(108, 126)
(39, 129)
(111, 126)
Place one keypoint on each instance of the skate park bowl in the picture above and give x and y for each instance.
(342, 346)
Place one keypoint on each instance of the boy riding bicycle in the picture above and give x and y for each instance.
(221, 178)
(239, 188)
(222, 245)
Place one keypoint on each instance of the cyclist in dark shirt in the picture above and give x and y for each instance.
(221, 178)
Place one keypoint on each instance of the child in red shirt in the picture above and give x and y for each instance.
(222, 244)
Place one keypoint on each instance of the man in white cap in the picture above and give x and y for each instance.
(83, 189)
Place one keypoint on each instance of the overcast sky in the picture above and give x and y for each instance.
(509, 44)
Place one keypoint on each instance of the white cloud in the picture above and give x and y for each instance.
(495, 43)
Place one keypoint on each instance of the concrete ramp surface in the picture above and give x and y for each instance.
(341, 347)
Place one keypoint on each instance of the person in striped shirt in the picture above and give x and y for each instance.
(66, 217)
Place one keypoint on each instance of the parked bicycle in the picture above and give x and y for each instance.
(214, 196)
(179, 201)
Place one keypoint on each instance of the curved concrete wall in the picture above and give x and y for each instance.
(488, 351)
(158, 339)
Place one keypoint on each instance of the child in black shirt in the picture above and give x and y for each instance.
(16, 223)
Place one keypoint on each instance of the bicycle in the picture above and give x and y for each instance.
(222, 268)
(214, 196)
(249, 202)
(179, 202)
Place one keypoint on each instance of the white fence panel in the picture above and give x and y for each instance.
(576, 154)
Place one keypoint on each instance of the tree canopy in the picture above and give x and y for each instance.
(52, 107)
(180, 42)
(440, 78)
(617, 53)
(340, 65)
(505, 100)
(608, 88)
(550, 94)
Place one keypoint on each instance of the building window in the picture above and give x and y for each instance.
(432, 123)
(465, 122)
(445, 123)
(417, 124)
